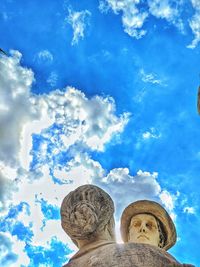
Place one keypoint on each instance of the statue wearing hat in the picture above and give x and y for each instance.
(87, 216)
(147, 222)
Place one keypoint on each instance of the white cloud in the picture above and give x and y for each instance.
(132, 18)
(150, 77)
(189, 210)
(44, 56)
(167, 9)
(13, 249)
(151, 134)
(19, 249)
(136, 13)
(80, 170)
(89, 122)
(16, 110)
(15, 106)
(194, 23)
(78, 20)
(32, 193)
(7, 186)
(125, 188)
(52, 79)
(168, 200)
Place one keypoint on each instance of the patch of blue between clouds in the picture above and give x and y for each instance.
(23, 233)
(16, 228)
(15, 210)
(50, 212)
(55, 255)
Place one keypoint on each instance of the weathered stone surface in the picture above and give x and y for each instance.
(87, 215)
(123, 255)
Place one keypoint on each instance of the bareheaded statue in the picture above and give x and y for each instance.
(87, 216)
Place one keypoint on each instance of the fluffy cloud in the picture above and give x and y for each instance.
(7, 186)
(79, 121)
(52, 79)
(91, 122)
(195, 24)
(78, 21)
(168, 201)
(16, 109)
(7, 257)
(132, 18)
(41, 129)
(167, 9)
(10, 249)
(15, 106)
(141, 186)
(135, 14)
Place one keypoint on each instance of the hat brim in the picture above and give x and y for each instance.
(155, 209)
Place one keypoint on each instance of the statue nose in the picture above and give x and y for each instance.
(142, 230)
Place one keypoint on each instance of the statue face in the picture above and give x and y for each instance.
(144, 229)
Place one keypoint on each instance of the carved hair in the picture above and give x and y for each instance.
(162, 234)
(86, 211)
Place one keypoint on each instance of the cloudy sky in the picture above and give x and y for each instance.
(100, 92)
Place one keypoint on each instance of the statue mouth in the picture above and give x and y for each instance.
(141, 236)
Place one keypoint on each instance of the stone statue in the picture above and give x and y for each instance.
(148, 222)
(87, 217)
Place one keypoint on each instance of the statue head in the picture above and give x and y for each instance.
(87, 215)
(148, 222)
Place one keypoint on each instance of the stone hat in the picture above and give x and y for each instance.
(85, 211)
(155, 209)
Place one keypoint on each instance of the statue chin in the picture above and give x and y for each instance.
(144, 240)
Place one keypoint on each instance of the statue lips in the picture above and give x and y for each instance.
(142, 236)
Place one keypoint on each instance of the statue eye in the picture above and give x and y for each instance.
(136, 224)
(149, 225)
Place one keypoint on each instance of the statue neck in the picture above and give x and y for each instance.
(91, 246)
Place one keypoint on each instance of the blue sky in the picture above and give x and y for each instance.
(100, 92)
